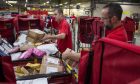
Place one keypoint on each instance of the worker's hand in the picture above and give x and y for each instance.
(46, 36)
(66, 53)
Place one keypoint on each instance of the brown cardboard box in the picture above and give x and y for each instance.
(36, 34)
(36, 42)
(43, 68)
(26, 47)
(43, 65)
(58, 68)
(47, 67)
(29, 39)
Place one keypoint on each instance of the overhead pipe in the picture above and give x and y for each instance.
(92, 6)
(120, 2)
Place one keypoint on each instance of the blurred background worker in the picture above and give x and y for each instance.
(64, 36)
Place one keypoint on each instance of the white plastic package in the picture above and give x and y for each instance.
(48, 48)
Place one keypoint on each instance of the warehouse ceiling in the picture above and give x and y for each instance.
(73, 1)
(54, 3)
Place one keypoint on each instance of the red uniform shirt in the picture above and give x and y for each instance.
(73, 17)
(118, 33)
(65, 43)
(73, 20)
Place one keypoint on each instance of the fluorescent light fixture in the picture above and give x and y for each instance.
(9, 4)
(12, 2)
(60, 4)
(44, 3)
(78, 3)
(26, 1)
(47, 2)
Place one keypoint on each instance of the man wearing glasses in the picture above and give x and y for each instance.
(111, 16)
(64, 37)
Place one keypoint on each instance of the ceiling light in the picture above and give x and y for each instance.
(47, 2)
(44, 3)
(66, 3)
(78, 3)
(12, 2)
(60, 4)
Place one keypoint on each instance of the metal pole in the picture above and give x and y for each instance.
(92, 6)
(18, 5)
(69, 6)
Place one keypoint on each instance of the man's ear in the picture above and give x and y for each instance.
(114, 19)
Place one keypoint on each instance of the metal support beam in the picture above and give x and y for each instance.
(69, 6)
(92, 6)
(18, 6)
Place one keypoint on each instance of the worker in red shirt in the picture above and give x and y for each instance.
(73, 19)
(64, 37)
(73, 16)
(111, 16)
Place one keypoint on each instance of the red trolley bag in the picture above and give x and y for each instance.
(115, 62)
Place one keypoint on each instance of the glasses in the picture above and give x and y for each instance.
(105, 18)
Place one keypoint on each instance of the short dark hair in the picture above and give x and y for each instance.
(114, 10)
(60, 11)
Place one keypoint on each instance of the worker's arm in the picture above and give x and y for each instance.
(58, 36)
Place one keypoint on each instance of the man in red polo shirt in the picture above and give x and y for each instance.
(64, 37)
(111, 16)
